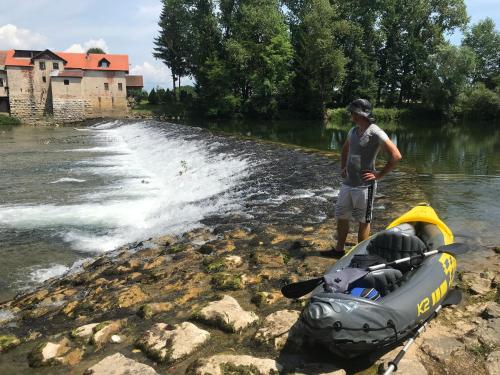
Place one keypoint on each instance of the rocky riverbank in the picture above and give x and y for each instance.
(208, 302)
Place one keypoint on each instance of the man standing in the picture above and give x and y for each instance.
(359, 152)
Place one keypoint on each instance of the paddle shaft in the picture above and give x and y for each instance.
(403, 260)
(393, 365)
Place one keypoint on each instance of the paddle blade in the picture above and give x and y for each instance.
(454, 249)
(454, 297)
(301, 288)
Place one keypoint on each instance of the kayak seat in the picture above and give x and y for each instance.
(384, 281)
(393, 245)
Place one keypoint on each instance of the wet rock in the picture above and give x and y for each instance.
(275, 330)
(118, 364)
(206, 249)
(149, 310)
(84, 332)
(131, 296)
(104, 331)
(270, 259)
(49, 353)
(157, 262)
(235, 364)
(493, 363)
(227, 314)
(8, 342)
(166, 343)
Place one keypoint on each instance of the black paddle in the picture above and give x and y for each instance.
(301, 288)
(453, 298)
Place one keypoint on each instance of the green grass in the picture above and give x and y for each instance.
(9, 120)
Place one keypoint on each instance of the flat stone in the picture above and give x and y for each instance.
(118, 364)
(48, 353)
(85, 331)
(236, 364)
(131, 296)
(275, 329)
(492, 363)
(477, 283)
(227, 314)
(166, 343)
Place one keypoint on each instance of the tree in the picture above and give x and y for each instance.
(319, 61)
(153, 97)
(484, 40)
(96, 50)
(172, 43)
(451, 67)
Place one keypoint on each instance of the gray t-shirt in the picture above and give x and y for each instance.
(363, 151)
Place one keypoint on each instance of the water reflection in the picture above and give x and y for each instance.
(458, 165)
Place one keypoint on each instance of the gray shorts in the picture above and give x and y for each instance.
(356, 202)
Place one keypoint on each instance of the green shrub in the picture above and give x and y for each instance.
(479, 103)
(9, 120)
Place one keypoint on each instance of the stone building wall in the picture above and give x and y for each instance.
(102, 102)
(41, 85)
(67, 100)
(21, 100)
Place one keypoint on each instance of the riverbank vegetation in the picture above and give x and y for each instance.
(257, 58)
(6, 120)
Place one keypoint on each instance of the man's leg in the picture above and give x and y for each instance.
(342, 231)
(363, 231)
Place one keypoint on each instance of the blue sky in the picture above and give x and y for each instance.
(126, 26)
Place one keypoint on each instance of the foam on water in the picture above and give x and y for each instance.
(42, 274)
(166, 182)
(67, 179)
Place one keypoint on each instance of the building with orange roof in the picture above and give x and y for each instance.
(68, 86)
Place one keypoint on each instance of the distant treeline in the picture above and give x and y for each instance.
(257, 57)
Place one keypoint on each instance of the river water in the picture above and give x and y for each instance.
(67, 194)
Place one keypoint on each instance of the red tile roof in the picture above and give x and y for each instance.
(77, 61)
(134, 81)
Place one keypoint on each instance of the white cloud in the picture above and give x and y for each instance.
(12, 37)
(99, 43)
(154, 74)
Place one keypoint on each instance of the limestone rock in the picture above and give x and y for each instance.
(104, 331)
(493, 363)
(118, 364)
(227, 314)
(489, 333)
(491, 310)
(131, 296)
(234, 261)
(440, 348)
(166, 343)
(84, 332)
(409, 365)
(236, 364)
(276, 327)
(266, 298)
(477, 283)
(48, 353)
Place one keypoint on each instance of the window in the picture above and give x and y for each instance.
(1, 82)
(44, 79)
(120, 86)
(42, 65)
(103, 63)
(66, 82)
(106, 86)
(55, 65)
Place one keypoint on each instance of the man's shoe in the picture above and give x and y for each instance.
(333, 254)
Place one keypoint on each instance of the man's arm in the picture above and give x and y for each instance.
(394, 158)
